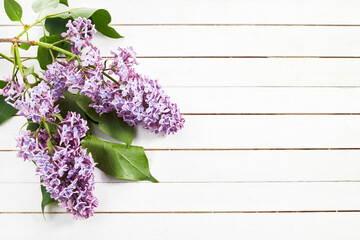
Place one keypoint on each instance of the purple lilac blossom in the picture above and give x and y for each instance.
(136, 99)
(68, 172)
(80, 33)
(12, 90)
(38, 103)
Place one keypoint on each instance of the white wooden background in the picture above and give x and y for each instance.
(270, 149)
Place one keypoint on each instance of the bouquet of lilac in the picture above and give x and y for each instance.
(73, 91)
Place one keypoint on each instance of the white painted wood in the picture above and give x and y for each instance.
(239, 72)
(295, 226)
(217, 12)
(222, 180)
(266, 100)
(231, 72)
(259, 131)
(221, 166)
(228, 40)
(216, 100)
(155, 197)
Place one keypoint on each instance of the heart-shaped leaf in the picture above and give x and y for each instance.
(43, 54)
(109, 123)
(83, 102)
(6, 110)
(56, 26)
(119, 161)
(46, 199)
(40, 5)
(13, 10)
(68, 104)
(65, 2)
(102, 18)
(115, 127)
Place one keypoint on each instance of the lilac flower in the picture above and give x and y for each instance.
(12, 90)
(136, 99)
(80, 32)
(37, 103)
(68, 172)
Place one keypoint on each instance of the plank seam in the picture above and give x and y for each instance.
(233, 149)
(202, 212)
(215, 25)
(209, 57)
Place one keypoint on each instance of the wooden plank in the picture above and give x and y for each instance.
(253, 100)
(217, 12)
(231, 72)
(243, 132)
(266, 100)
(230, 41)
(295, 226)
(208, 197)
(236, 166)
(243, 72)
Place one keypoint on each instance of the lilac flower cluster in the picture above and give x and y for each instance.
(80, 33)
(134, 97)
(66, 171)
(34, 103)
(12, 90)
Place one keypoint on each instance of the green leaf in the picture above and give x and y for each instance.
(46, 199)
(119, 161)
(82, 12)
(43, 54)
(65, 2)
(115, 127)
(102, 18)
(32, 126)
(13, 10)
(29, 71)
(25, 46)
(6, 110)
(109, 123)
(56, 26)
(40, 5)
(83, 102)
(50, 146)
(69, 104)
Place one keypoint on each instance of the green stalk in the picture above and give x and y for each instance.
(17, 59)
(39, 21)
(19, 64)
(6, 57)
(46, 127)
(111, 78)
(51, 46)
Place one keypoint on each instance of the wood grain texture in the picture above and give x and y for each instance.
(296, 226)
(259, 131)
(222, 166)
(243, 72)
(231, 41)
(219, 12)
(208, 197)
